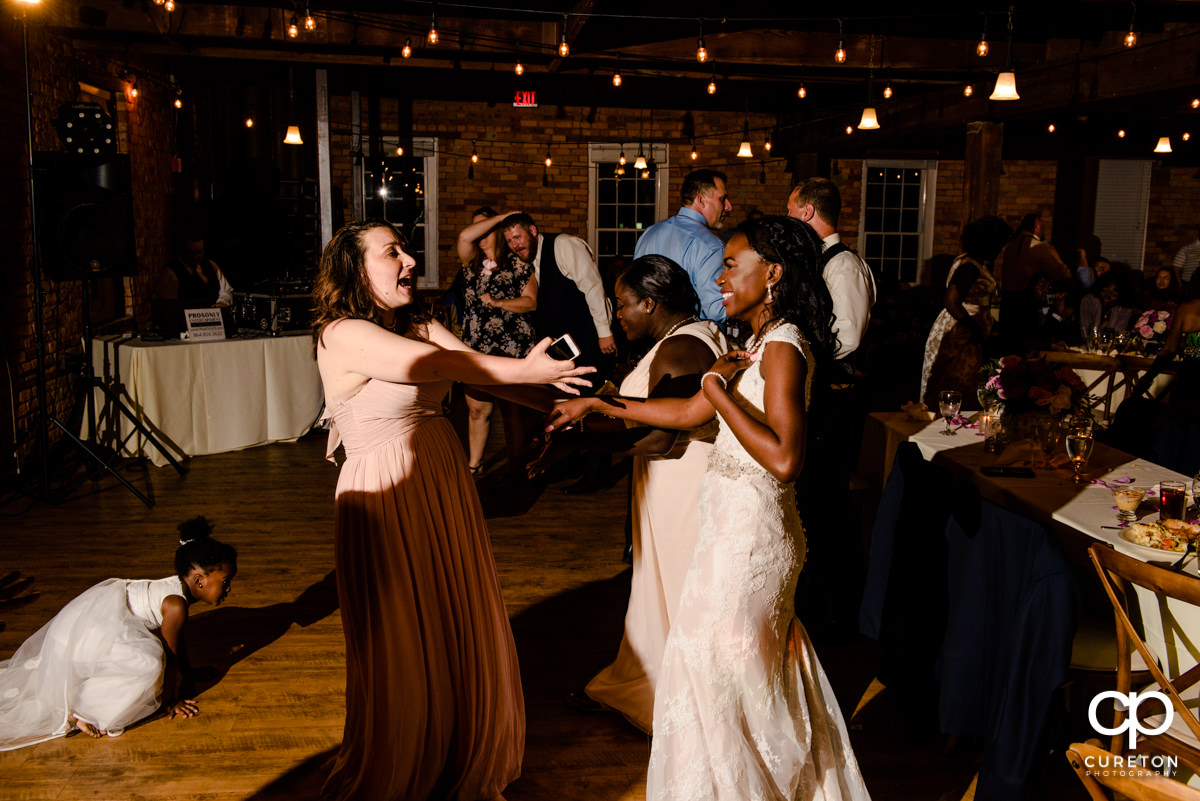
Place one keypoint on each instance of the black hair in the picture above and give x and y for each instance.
(1028, 223)
(520, 218)
(801, 296)
(657, 277)
(485, 211)
(983, 239)
(198, 549)
(697, 182)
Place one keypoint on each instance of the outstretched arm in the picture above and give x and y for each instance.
(176, 683)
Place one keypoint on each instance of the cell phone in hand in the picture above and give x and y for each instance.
(1006, 472)
(564, 349)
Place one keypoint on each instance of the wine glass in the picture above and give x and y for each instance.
(949, 402)
(1049, 433)
(1079, 449)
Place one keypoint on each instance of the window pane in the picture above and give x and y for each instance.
(908, 270)
(891, 219)
(626, 192)
(874, 195)
(607, 191)
(912, 196)
(874, 220)
(910, 221)
(892, 195)
(627, 241)
(874, 247)
(891, 247)
(606, 216)
(607, 242)
(626, 216)
(910, 247)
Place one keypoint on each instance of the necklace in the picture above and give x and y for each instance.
(757, 344)
(678, 325)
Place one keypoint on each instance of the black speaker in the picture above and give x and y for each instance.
(84, 211)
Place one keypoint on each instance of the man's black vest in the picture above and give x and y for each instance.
(562, 307)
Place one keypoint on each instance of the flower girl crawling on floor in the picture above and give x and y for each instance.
(115, 654)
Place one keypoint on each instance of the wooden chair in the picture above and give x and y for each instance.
(1118, 574)
(1095, 769)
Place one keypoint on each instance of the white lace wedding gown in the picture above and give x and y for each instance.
(743, 709)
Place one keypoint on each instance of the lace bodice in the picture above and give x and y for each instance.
(729, 457)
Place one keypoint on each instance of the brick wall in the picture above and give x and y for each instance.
(56, 70)
(1174, 214)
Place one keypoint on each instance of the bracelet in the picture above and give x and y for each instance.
(724, 383)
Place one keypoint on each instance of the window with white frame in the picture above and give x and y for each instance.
(403, 190)
(622, 206)
(896, 220)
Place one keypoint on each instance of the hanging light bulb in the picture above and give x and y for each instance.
(1051, 128)
(474, 153)
(293, 28)
(548, 159)
(133, 89)
(1196, 102)
(1164, 145)
(1121, 134)
(1006, 82)
(981, 49)
(399, 152)
(620, 170)
(1186, 136)
(178, 102)
(839, 55)
(1132, 37)
(695, 155)
(849, 129)
(564, 49)
(701, 50)
(621, 158)
(617, 72)
(801, 92)
(744, 150)
(712, 85)
(968, 90)
(767, 143)
(249, 122)
(432, 36)
(293, 136)
(169, 5)
(640, 162)
(645, 174)
(310, 22)
(519, 68)
(406, 51)
(887, 91)
(158, 2)
(869, 122)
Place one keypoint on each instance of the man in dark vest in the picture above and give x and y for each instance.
(571, 297)
(196, 282)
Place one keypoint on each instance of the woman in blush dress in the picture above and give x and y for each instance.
(743, 709)
(433, 692)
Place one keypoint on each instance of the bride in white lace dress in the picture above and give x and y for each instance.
(743, 709)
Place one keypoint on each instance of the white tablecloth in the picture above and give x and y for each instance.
(210, 397)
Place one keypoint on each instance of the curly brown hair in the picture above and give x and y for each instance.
(342, 289)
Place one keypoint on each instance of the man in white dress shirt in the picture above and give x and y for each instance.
(1188, 259)
(851, 285)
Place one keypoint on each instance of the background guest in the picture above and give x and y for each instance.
(499, 294)
(1108, 305)
(954, 350)
(192, 279)
(1188, 259)
(1163, 292)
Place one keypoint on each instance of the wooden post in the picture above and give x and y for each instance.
(981, 170)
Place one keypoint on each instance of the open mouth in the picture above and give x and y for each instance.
(404, 281)
(726, 297)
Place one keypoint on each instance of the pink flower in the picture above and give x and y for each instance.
(1146, 331)
(1009, 361)
(488, 266)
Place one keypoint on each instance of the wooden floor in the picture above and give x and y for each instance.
(272, 715)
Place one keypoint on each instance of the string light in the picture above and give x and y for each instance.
(158, 2)
(249, 122)
(1131, 37)
(645, 174)
(617, 72)
(802, 92)
(849, 130)
(399, 151)
(1121, 134)
(1196, 102)
(640, 162)
(701, 50)
(548, 159)
(474, 153)
(839, 55)
(968, 90)
(310, 22)
(293, 28)
(887, 91)
(169, 5)
(695, 155)
(406, 51)
(712, 84)
(432, 36)
(519, 68)
(1185, 136)
(564, 49)
(621, 158)
(981, 49)
(178, 102)
(767, 144)
(133, 87)
(1050, 128)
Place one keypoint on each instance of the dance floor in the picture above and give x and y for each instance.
(272, 706)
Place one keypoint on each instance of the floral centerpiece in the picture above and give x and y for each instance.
(1153, 325)
(1017, 385)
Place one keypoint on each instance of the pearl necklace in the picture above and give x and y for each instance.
(678, 325)
(760, 340)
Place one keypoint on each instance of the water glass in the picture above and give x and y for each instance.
(1049, 433)
(1172, 500)
(1079, 449)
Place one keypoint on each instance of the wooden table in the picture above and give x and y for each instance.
(1109, 377)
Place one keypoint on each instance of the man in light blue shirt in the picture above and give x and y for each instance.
(688, 240)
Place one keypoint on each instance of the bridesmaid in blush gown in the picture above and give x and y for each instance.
(433, 690)
(743, 709)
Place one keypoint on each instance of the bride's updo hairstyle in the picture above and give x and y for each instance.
(801, 296)
(343, 290)
(663, 281)
(197, 548)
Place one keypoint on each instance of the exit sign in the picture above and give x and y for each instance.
(525, 98)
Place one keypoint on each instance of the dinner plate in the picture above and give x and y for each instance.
(1125, 535)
